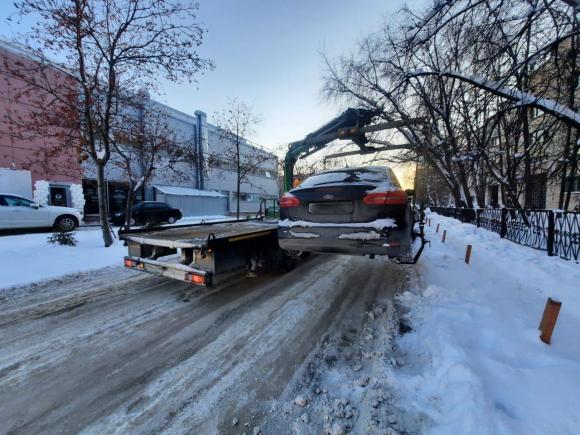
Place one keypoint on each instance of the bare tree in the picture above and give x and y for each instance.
(236, 123)
(144, 142)
(478, 70)
(108, 49)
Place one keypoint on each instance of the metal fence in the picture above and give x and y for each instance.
(557, 232)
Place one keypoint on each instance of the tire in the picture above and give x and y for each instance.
(133, 222)
(66, 223)
(284, 262)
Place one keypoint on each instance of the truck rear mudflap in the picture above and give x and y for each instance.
(170, 270)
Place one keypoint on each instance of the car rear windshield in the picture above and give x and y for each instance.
(352, 176)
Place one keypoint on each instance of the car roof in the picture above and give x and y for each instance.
(15, 194)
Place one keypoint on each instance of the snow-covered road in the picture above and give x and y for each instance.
(117, 351)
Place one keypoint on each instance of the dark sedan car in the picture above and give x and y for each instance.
(149, 213)
(355, 211)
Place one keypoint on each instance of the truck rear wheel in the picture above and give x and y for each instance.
(284, 262)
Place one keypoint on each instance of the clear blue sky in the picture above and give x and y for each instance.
(268, 54)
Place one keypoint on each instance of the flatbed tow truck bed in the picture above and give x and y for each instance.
(206, 250)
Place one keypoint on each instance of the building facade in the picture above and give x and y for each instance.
(26, 152)
(193, 185)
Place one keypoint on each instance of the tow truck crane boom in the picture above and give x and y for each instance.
(352, 124)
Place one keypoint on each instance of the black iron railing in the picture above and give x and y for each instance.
(557, 232)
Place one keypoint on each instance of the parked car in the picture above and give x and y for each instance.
(354, 211)
(17, 212)
(149, 213)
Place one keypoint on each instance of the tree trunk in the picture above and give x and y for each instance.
(129, 205)
(238, 182)
(103, 209)
(573, 170)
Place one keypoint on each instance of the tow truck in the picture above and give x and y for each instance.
(211, 252)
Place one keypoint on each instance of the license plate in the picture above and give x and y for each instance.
(330, 207)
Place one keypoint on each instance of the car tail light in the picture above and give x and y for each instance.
(289, 201)
(194, 278)
(386, 198)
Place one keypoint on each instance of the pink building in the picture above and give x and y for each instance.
(24, 148)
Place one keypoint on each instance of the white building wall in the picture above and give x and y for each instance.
(204, 137)
(262, 185)
(16, 182)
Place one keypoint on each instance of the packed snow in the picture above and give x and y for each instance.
(371, 235)
(385, 186)
(474, 363)
(304, 235)
(378, 224)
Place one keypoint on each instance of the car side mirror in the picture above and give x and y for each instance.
(35, 205)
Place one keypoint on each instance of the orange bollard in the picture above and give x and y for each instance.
(444, 235)
(468, 254)
(549, 319)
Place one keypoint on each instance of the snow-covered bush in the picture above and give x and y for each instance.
(78, 197)
(41, 192)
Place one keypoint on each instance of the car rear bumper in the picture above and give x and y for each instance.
(393, 242)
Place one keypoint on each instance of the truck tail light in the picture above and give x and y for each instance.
(289, 201)
(194, 278)
(395, 197)
(130, 263)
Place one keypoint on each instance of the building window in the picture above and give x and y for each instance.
(246, 197)
(91, 196)
(536, 193)
(494, 196)
(574, 183)
(58, 196)
(116, 192)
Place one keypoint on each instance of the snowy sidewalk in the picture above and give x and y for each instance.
(28, 258)
(474, 362)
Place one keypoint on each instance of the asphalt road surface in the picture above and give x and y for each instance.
(118, 351)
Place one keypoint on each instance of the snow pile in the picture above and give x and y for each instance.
(474, 363)
(41, 192)
(28, 258)
(78, 197)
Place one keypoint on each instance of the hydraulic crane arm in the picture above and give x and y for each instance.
(352, 124)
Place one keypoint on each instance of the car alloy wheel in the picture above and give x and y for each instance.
(171, 220)
(66, 224)
(132, 222)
